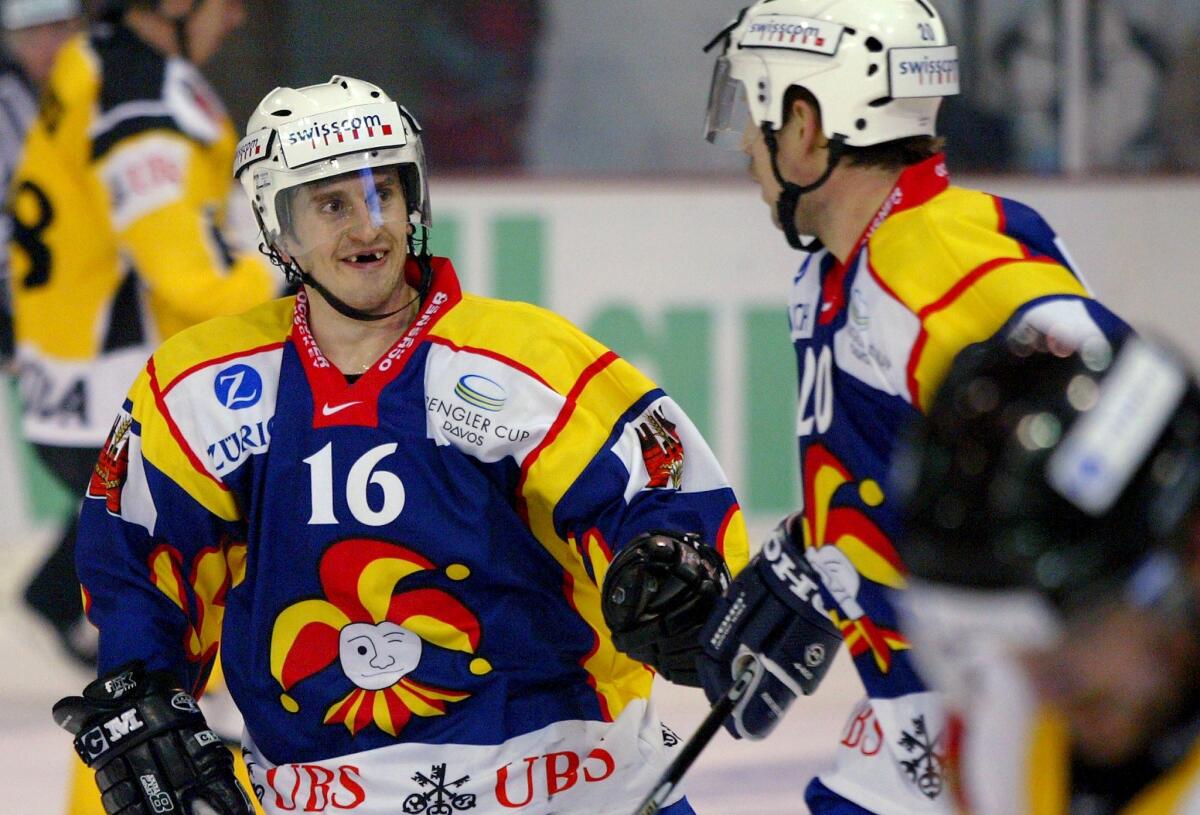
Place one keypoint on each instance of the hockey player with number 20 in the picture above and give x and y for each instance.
(835, 104)
(392, 505)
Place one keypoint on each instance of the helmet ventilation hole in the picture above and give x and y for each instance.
(861, 124)
(880, 102)
(374, 94)
(874, 69)
(874, 45)
(281, 112)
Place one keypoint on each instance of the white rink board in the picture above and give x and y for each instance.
(659, 246)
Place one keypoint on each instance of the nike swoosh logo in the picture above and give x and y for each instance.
(329, 410)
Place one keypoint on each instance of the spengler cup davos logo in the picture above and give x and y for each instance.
(481, 392)
(238, 386)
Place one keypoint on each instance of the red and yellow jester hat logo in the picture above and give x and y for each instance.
(376, 633)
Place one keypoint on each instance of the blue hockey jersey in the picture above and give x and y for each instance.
(401, 572)
(938, 268)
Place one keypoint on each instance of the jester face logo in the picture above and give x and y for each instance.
(399, 649)
(375, 657)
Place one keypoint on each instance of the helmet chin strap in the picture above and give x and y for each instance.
(789, 198)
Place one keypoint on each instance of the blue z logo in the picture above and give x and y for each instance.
(238, 386)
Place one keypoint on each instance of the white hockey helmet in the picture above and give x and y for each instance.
(878, 68)
(300, 135)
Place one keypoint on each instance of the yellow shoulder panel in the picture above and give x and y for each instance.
(948, 262)
(162, 443)
(921, 253)
(264, 325)
(537, 340)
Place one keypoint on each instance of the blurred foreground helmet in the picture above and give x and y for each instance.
(1060, 471)
(18, 14)
(1043, 479)
(878, 68)
(301, 136)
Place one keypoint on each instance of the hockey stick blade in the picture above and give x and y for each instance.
(699, 740)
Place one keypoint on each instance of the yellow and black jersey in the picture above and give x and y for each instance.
(119, 204)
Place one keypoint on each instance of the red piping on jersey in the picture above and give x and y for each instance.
(725, 525)
(916, 185)
(160, 400)
(569, 593)
(564, 415)
(947, 299)
(1002, 227)
(484, 352)
(236, 354)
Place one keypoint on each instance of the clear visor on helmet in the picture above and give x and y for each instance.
(366, 208)
(728, 108)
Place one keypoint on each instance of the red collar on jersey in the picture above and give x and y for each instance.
(916, 185)
(337, 402)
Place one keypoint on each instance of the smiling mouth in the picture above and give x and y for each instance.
(366, 259)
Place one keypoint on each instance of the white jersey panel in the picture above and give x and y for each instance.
(889, 759)
(485, 408)
(225, 409)
(663, 439)
(566, 768)
(878, 338)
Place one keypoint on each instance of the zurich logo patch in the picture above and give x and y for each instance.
(481, 392)
(238, 386)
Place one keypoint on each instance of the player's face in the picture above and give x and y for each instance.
(755, 147)
(351, 234)
(796, 164)
(1119, 677)
(212, 23)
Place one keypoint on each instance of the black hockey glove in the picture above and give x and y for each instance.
(657, 595)
(771, 616)
(150, 747)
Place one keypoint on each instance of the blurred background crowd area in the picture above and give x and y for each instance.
(578, 87)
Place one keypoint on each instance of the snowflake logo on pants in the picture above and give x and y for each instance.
(440, 798)
(925, 768)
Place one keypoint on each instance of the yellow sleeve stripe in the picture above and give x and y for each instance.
(604, 388)
(974, 309)
(162, 443)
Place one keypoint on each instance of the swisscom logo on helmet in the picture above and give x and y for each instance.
(238, 386)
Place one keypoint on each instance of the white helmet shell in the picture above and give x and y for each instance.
(300, 135)
(878, 68)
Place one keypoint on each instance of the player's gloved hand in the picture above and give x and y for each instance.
(150, 747)
(772, 617)
(657, 594)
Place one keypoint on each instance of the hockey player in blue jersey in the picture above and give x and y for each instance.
(391, 504)
(835, 103)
